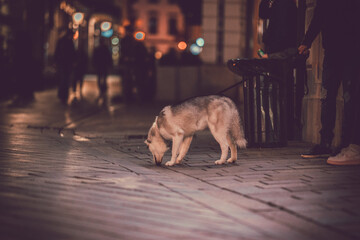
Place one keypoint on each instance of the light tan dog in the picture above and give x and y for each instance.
(179, 123)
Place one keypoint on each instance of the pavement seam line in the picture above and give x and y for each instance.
(273, 205)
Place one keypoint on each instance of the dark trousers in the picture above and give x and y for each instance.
(102, 75)
(64, 80)
(337, 69)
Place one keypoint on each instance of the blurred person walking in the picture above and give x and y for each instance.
(102, 61)
(64, 59)
(80, 69)
(23, 66)
(141, 71)
(281, 31)
(337, 22)
(127, 63)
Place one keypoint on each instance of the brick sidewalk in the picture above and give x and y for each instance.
(83, 172)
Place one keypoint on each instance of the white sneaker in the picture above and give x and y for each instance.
(347, 156)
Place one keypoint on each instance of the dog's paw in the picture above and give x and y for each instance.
(231, 160)
(169, 163)
(219, 162)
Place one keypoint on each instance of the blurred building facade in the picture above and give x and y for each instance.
(162, 21)
(224, 30)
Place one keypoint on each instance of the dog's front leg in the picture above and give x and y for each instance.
(184, 148)
(176, 142)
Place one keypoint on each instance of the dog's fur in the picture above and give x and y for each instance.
(179, 123)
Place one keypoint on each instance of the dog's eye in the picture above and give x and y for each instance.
(148, 141)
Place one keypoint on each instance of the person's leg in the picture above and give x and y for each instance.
(127, 84)
(331, 80)
(103, 83)
(350, 155)
(63, 90)
(74, 81)
(99, 81)
(355, 137)
(350, 77)
(81, 84)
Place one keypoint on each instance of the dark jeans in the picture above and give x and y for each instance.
(337, 69)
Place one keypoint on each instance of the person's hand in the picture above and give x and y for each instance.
(303, 49)
(265, 56)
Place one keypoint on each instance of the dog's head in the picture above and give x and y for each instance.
(156, 144)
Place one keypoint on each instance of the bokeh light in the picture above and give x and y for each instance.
(78, 17)
(139, 35)
(200, 42)
(105, 26)
(195, 49)
(115, 49)
(107, 33)
(182, 45)
(76, 35)
(158, 55)
(115, 41)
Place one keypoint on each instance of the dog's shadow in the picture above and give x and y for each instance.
(190, 164)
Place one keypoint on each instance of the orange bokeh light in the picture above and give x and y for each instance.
(182, 45)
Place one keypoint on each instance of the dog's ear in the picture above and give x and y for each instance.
(155, 122)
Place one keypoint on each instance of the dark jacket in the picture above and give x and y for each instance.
(338, 23)
(65, 53)
(281, 32)
(102, 58)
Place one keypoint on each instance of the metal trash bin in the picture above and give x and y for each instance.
(265, 96)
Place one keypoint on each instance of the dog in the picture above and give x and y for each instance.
(179, 123)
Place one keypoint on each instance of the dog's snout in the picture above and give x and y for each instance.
(157, 161)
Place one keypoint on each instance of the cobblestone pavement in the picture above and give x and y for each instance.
(83, 172)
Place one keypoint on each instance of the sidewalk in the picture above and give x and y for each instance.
(83, 172)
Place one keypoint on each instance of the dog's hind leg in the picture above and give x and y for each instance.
(184, 148)
(233, 149)
(220, 137)
(176, 142)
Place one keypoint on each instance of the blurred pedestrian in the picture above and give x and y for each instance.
(23, 67)
(5, 72)
(281, 31)
(141, 71)
(102, 60)
(280, 41)
(127, 63)
(152, 76)
(64, 58)
(337, 22)
(80, 69)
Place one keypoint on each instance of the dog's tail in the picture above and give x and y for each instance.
(237, 131)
